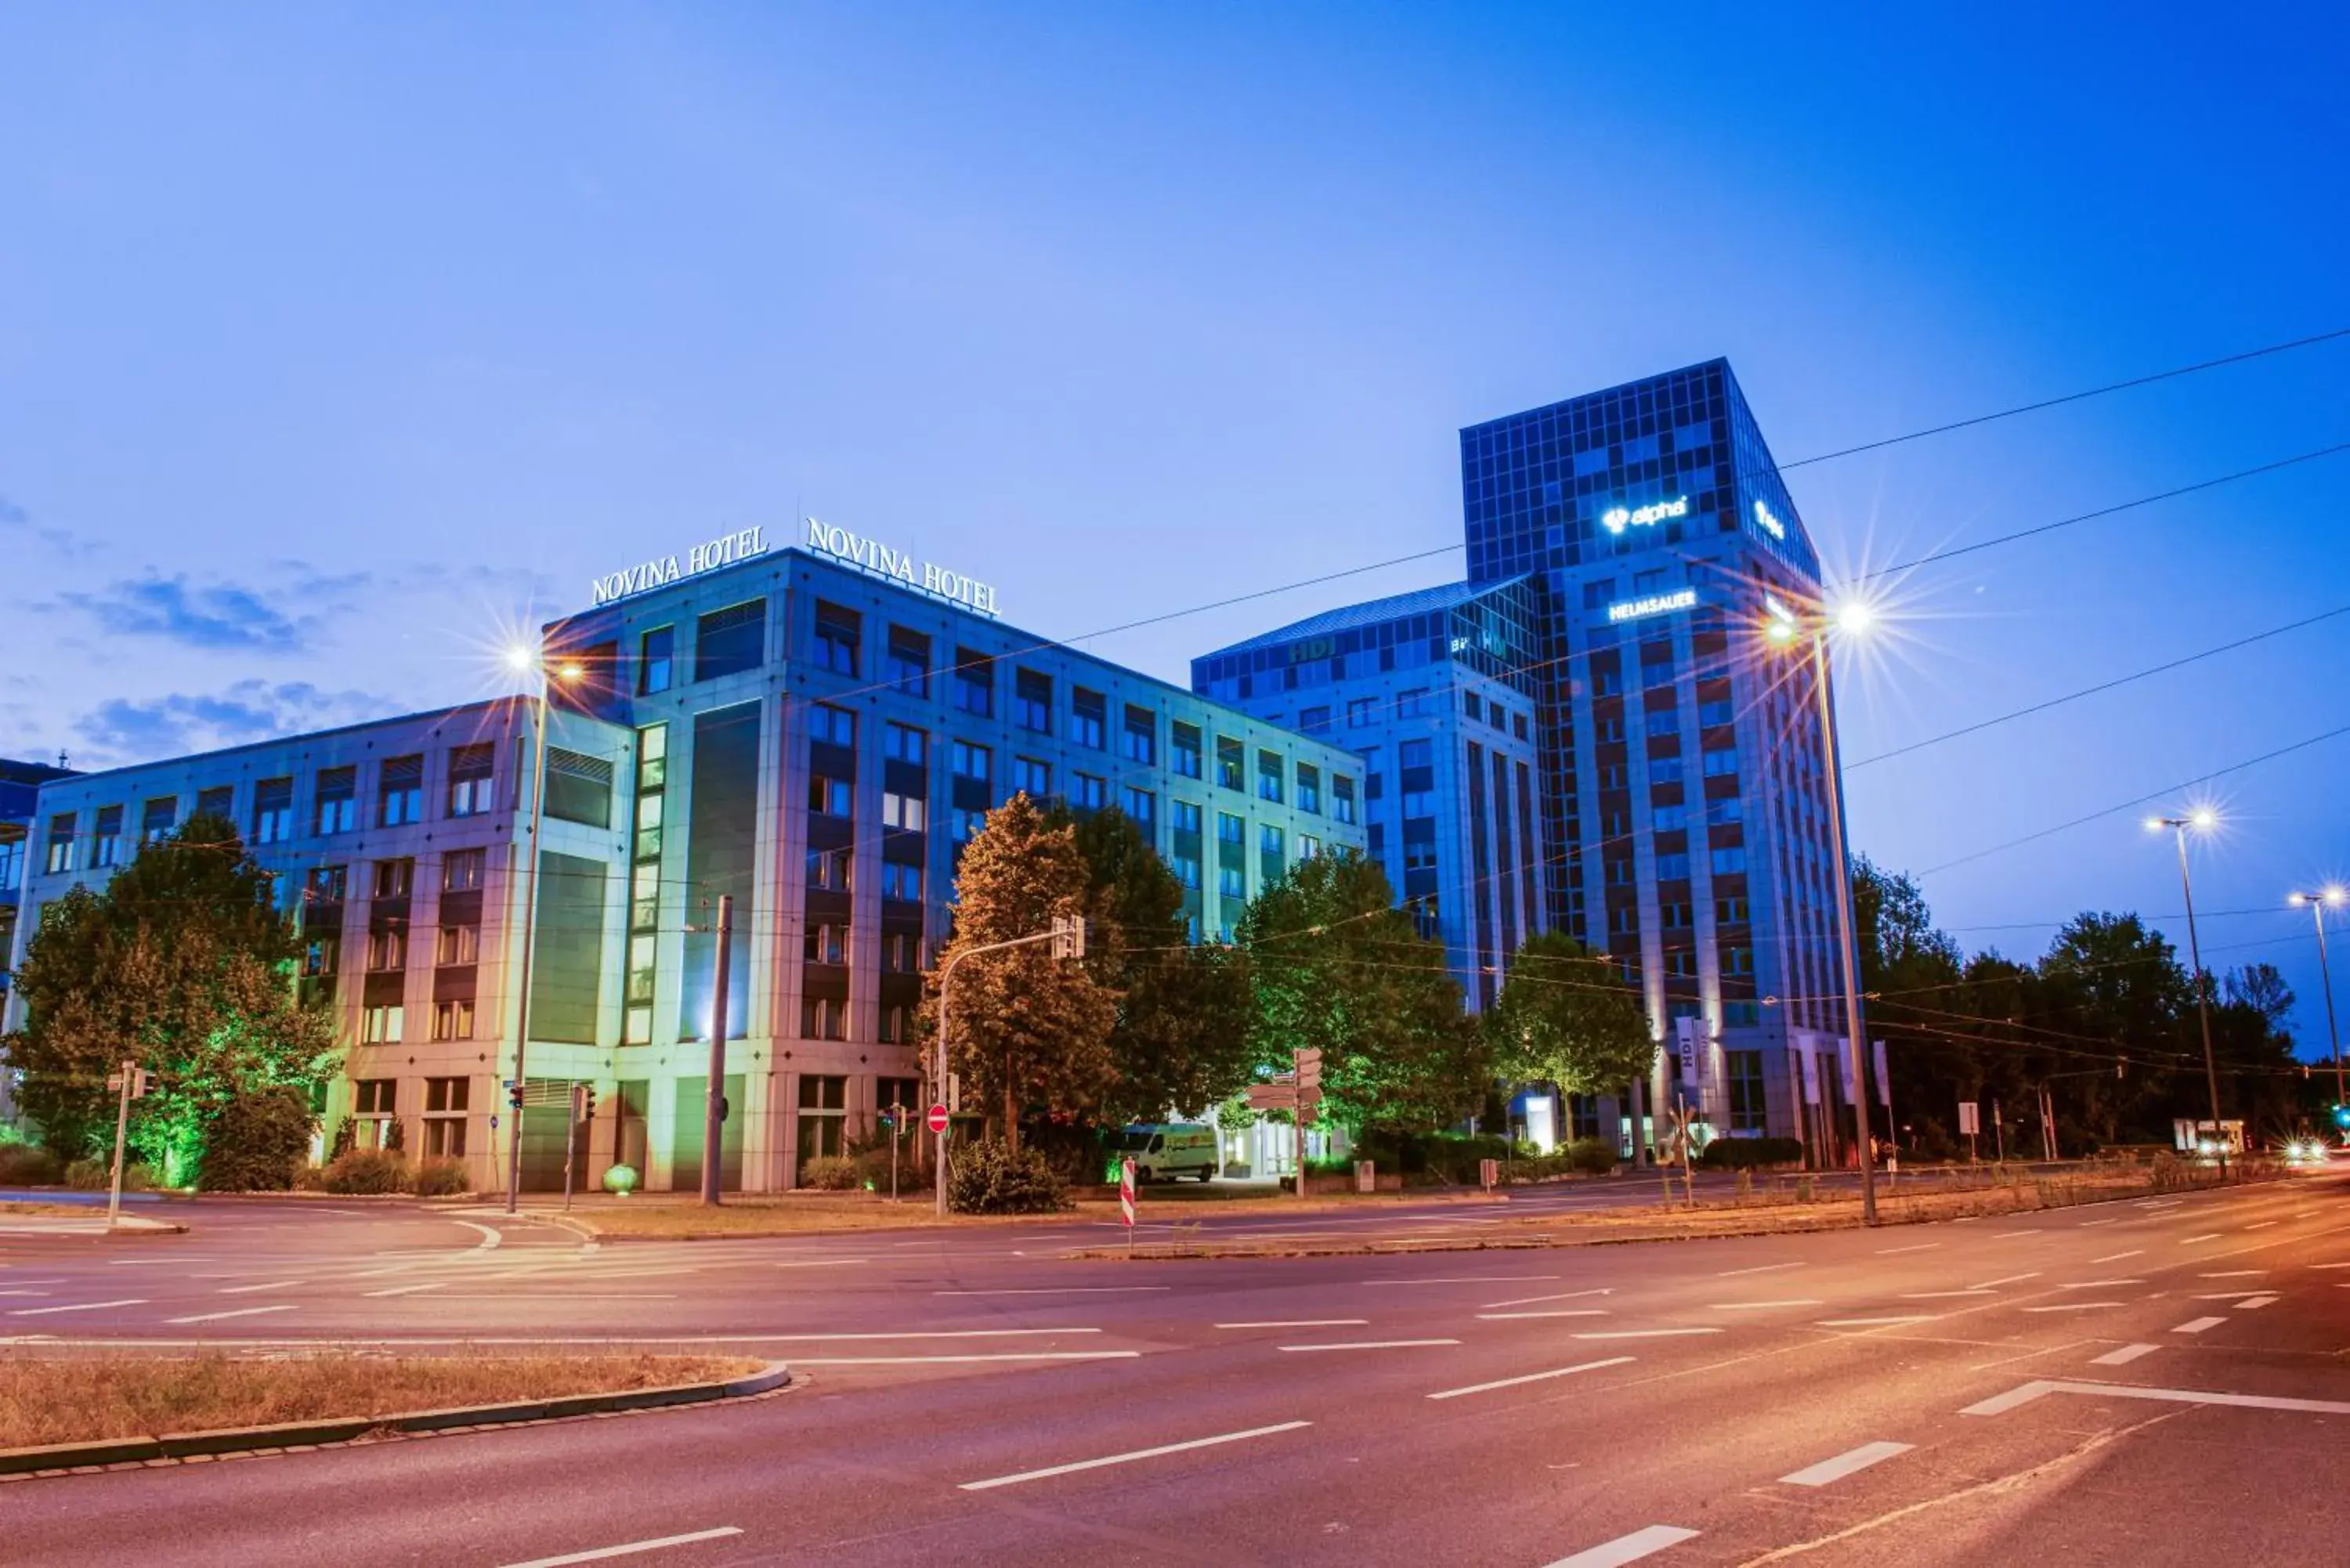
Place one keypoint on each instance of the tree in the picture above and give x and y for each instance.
(183, 964)
(1566, 1016)
(1028, 1031)
(1181, 1040)
(1333, 966)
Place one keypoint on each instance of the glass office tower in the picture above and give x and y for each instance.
(1683, 779)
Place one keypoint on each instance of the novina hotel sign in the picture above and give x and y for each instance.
(662, 570)
(898, 566)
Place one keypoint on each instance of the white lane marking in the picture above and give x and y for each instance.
(2198, 1325)
(2254, 1304)
(2262, 1225)
(408, 1290)
(217, 1316)
(1128, 1459)
(2124, 1356)
(1941, 1295)
(24, 1292)
(2228, 1295)
(2330, 1265)
(2097, 1284)
(1758, 1269)
(1062, 1291)
(1921, 1247)
(1561, 1296)
(1643, 1542)
(2239, 1273)
(2117, 1257)
(2075, 1306)
(2007, 1280)
(2001, 1404)
(1644, 1333)
(1846, 1464)
(1303, 1322)
(2012, 1235)
(963, 1360)
(1531, 1377)
(77, 1307)
(1546, 1312)
(1764, 1306)
(248, 1290)
(490, 1238)
(819, 1262)
(1468, 1280)
(1371, 1345)
(2207, 1236)
(1876, 1321)
(2092, 1224)
(631, 1548)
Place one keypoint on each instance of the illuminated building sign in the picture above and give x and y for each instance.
(1615, 519)
(1771, 525)
(1655, 604)
(954, 587)
(662, 570)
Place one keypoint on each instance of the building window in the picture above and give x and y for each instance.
(106, 843)
(731, 641)
(399, 791)
(394, 878)
(901, 953)
(833, 726)
(1738, 961)
(656, 660)
(1142, 805)
(973, 761)
(1183, 744)
(457, 945)
(1714, 714)
(461, 870)
(382, 1026)
(1419, 803)
(1308, 846)
(1313, 720)
(1663, 723)
(321, 956)
(445, 1104)
(453, 1019)
(326, 885)
(1032, 700)
(1722, 764)
(1186, 870)
(1729, 862)
(823, 1114)
(826, 944)
(1231, 829)
(974, 682)
(1268, 776)
(339, 808)
(156, 820)
(1309, 788)
(908, 661)
(828, 870)
(905, 812)
(1674, 867)
(273, 811)
(1229, 754)
(1362, 712)
(1412, 705)
(470, 780)
(387, 951)
(1664, 770)
(903, 1096)
(893, 1033)
(900, 881)
(1087, 793)
(1029, 774)
(1232, 881)
(829, 796)
(1730, 912)
(1342, 798)
(218, 801)
(1746, 1105)
(1187, 818)
(1139, 743)
(824, 1018)
(963, 825)
(904, 743)
(1089, 718)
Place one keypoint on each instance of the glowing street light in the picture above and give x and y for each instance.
(2317, 902)
(523, 660)
(1782, 627)
(2202, 819)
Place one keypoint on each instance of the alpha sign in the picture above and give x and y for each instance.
(662, 570)
(896, 565)
(1655, 604)
(1615, 519)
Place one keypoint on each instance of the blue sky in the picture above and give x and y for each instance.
(333, 339)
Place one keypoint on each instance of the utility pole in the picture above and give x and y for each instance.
(714, 1109)
(1067, 936)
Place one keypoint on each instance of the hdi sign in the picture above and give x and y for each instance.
(723, 551)
(900, 567)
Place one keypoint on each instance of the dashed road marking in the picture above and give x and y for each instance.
(1531, 1377)
(77, 1306)
(1372, 1344)
(1846, 1463)
(2198, 1326)
(1643, 1542)
(218, 1316)
(1128, 1459)
(629, 1549)
(2124, 1356)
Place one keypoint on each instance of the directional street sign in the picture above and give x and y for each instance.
(938, 1118)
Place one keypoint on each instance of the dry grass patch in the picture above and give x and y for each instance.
(44, 1401)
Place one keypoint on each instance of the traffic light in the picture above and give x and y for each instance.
(2342, 1117)
(143, 1084)
(1068, 938)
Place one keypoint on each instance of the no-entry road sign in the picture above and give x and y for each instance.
(938, 1118)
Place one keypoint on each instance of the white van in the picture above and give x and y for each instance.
(1163, 1151)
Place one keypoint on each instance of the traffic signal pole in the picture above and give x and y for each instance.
(714, 1107)
(1068, 939)
(129, 1076)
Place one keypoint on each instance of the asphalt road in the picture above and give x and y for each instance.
(2157, 1381)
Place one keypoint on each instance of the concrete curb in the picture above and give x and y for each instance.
(311, 1434)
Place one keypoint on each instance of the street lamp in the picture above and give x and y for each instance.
(1852, 618)
(524, 661)
(2203, 820)
(2317, 902)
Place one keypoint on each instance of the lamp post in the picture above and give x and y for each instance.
(1854, 619)
(2202, 820)
(2317, 902)
(523, 660)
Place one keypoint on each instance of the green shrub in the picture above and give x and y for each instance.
(366, 1171)
(1592, 1156)
(25, 1165)
(90, 1176)
(829, 1173)
(989, 1178)
(257, 1142)
(1749, 1153)
(913, 1172)
(440, 1179)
